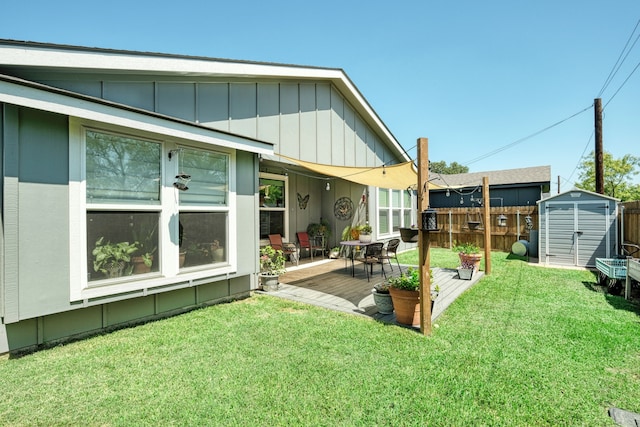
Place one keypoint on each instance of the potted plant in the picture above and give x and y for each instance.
(271, 267)
(111, 258)
(469, 254)
(364, 234)
(409, 235)
(334, 253)
(144, 236)
(405, 294)
(382, 298)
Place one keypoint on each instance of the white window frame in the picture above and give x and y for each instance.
(170, 274)
(286, 206)
(389, 209)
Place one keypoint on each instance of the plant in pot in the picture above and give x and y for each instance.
(111, 258)
(364, 234)
(271, 267)
(144, 235)
(469, 254)
(382, 298)
(334, 253)
(405, 294)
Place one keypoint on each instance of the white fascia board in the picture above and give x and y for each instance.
(141, 63)
(12, 93)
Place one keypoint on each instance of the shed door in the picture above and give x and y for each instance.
(577, 233)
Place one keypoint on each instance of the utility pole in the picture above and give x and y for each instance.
(599, 160)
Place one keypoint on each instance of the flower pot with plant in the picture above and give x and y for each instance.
(112, 258)
(271, 267)
(144, 235)
(382, 298)
(334, 253)
(405, 293)
(364, 234)
(469, 254)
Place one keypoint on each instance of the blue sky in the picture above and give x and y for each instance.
(476, 78)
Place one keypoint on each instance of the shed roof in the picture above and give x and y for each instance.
(531, 175)
(578, 190)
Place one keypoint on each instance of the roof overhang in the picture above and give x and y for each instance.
(74, 58)
(41, 97)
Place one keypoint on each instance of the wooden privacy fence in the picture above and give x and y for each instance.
(468, 225)
(630, 222)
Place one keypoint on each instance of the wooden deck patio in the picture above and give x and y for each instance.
(328, 283)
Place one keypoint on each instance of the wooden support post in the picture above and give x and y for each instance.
(487, 225)
(423, 237)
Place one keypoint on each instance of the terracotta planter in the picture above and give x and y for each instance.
(409, 235)
(470, 259)
(139, 267)
(383, 302)
(406, 305)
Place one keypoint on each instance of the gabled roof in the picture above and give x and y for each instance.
(44, 56)
(575, 193)
(532, 175)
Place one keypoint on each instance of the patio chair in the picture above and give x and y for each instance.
(371, 256)
(390, 252)
(306, 243)
(288, 249)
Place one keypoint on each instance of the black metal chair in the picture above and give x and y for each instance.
(390, 252)
(371, 256)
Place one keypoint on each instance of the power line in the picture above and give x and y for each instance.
(619, 62)
(519, 141)
(623, 83)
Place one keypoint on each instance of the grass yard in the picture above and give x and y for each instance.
(526, 346)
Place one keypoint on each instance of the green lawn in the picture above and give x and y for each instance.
(526, 346)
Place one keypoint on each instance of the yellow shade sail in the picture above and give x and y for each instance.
(398, 177)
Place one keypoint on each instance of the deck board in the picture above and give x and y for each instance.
(328, 283)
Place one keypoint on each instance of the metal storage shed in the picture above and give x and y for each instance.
(576, 227)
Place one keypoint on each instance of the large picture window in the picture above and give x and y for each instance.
(137, 228)
(121, 170)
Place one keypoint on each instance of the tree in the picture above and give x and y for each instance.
(618, 175)
(453, 168)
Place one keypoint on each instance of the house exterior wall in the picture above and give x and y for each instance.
(525, 195)
(310, 121)
(34, 288)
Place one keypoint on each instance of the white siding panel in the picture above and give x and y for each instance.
(136, 94)
(323, 102)
(269, 113)
(337, 129)
(243, 109)
(308, 121)
(213, 105)
(177, 100)
(290, 120)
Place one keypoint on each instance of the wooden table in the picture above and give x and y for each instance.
(353, 244)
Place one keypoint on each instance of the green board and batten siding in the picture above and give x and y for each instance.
(311, 121)
(35, 301)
